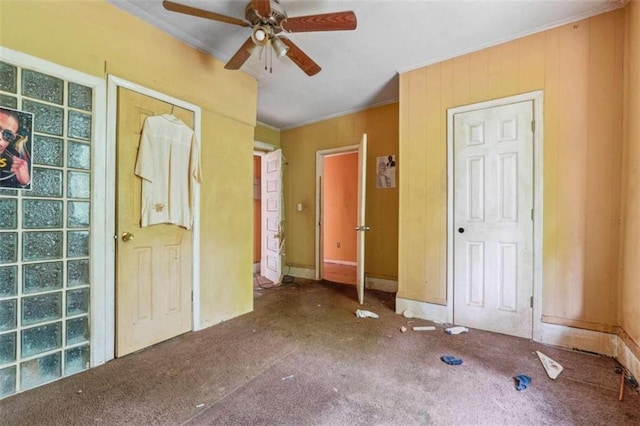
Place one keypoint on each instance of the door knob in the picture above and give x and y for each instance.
(363, 228)
(461, 230)
(127, 236)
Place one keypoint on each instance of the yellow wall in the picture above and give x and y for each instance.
(96, 38)
(579, 67)
(630, 283)
(340, 207)
(267, 135)
(299, 147)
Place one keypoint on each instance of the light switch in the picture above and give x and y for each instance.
(299, 207)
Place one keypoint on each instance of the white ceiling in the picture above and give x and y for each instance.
(360, 68)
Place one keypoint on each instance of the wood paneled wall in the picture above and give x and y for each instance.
(579, 68)
(299, 147)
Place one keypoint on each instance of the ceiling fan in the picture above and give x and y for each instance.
(267, 20)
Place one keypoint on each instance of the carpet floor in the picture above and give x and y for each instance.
(304, 358)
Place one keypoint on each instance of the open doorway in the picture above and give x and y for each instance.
(257, 220)
(339, 217)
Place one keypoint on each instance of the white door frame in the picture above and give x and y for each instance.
(260, 149)
(537, 98)
(319, 179)
(113, 83)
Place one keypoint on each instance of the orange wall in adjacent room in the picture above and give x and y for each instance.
(340, 206)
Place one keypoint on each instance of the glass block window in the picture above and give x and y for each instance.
(45, 277)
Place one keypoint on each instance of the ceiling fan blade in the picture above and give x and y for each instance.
(300, 58)
(241, 56)
(263, 7)
(188, 10)
(336, 21)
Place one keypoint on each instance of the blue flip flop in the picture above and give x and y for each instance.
(451, 360)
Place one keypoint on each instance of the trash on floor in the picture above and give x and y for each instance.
(407, 314)
(287, 377)
(199, 405)
(522, 381)
(424, 328)
(456, 330)
(361, 313)
(451, 360)
(403, 328)
(552, 368)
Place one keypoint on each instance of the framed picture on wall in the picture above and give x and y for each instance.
(386, 171)
(16, 134)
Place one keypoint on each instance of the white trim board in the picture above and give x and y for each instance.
(113, 83)
(626, 357)
(260, 147)
(341, 262)
(423, 310)
(101, 241)
(537, 98)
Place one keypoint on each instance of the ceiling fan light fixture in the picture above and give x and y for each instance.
(280, 48)
(260, 35)
(255, 50)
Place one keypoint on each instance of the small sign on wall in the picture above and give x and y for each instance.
(16, 134)
(386, 172)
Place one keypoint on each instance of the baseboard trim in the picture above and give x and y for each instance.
(256, 268)
(390, 286)
(307, 273)
(423, 310)
(627, 356)
(577, 338)
(341, 262)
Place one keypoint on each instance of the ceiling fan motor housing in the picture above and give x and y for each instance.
(277, 17)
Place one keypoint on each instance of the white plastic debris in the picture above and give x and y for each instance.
(403, 328)
(361, 313)
(287, 377)
(199, 405)
(456, 330)
(424, 328)
(407, 314)
(552, 368)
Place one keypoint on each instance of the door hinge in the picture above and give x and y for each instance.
(531, 302)
(533, 125)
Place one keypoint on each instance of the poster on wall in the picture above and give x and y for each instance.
(386, 176)
(16, 134)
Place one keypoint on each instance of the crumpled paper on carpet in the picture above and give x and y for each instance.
(361, 313)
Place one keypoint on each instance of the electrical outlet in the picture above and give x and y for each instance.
(338, 244)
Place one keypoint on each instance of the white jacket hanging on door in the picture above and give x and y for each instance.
(169, 165)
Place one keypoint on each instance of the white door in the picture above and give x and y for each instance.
(154, 263)
(272, 217)
(493, 211)
(362, 228)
